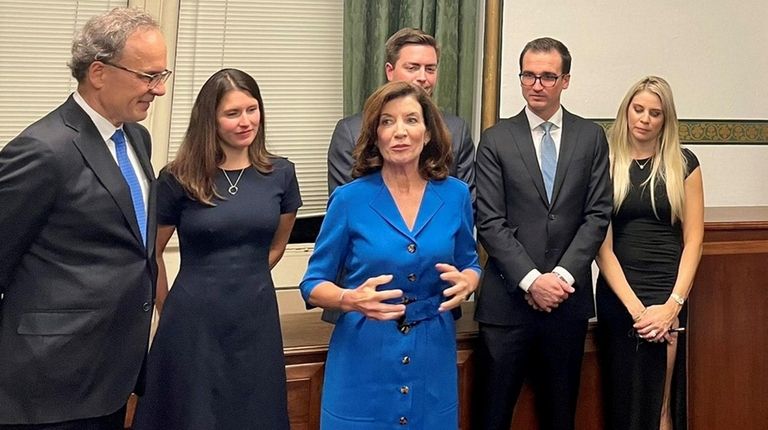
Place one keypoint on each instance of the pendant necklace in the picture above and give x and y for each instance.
(233, 187)
(642, 166)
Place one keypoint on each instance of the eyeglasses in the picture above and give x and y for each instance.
(152, 80)
(547, 81)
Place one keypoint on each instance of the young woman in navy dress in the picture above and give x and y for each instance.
(217, 359)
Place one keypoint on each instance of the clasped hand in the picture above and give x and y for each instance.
(655, 322)
(547, 292)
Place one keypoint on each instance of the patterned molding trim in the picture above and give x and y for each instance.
(717, 132)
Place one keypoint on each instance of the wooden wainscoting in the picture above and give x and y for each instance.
(727, 341)
(728, 322)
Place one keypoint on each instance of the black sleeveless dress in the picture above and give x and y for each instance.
(648, 249)
(217, 359)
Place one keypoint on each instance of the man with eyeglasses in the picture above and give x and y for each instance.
(543, 207)
(77, 234)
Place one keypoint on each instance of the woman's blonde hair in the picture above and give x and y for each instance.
(667, 165)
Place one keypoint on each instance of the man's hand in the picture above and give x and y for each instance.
(547, 292)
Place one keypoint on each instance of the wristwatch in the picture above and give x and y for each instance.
(676, 297)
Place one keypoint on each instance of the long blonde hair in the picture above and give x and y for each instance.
(667, 165)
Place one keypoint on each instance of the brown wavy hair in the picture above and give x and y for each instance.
(197, 162)
(436, 155)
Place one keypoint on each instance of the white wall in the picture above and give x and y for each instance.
(712, 53)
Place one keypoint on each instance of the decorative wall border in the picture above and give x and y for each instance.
(717, 132)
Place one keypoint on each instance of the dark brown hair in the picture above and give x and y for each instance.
(546, 44)
(200, 154)
(436, 155)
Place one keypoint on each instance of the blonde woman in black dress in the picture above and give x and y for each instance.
(648, 262)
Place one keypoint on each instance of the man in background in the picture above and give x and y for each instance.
(412, 56)
(77, 234)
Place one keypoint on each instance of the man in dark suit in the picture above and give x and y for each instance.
(543, 206)
(412, 56)
(77, 268)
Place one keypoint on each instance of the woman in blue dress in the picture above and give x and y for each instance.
(395, 254)
(217, 359)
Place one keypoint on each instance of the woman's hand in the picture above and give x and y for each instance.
(463, 283)
(671, 337)
(656, 321)
(370, 302)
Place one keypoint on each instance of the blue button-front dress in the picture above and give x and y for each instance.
(377, 376)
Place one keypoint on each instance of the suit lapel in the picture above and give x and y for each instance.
(521, 135)
(91, 145)
(568, 145)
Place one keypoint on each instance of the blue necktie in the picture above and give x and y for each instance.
(132, 180)
(548, 159)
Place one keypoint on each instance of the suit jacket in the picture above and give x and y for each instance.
(521, 231)
(344, 139)
(77, 280)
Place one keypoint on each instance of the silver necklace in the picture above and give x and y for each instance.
(233, 187)
(642, 166)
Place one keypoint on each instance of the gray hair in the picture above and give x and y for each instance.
(103, 37)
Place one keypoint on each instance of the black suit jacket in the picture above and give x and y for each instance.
(78, 282)
(344, 139)
(521, 231)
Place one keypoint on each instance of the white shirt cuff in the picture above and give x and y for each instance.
(528, 279)
(564, 274)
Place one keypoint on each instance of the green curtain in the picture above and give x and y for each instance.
(369, 23)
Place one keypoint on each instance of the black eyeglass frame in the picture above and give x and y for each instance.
(540, 78)
(153, 80)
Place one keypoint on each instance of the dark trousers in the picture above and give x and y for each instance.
(114, 421)
(548, 352)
